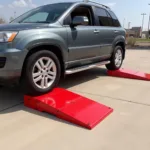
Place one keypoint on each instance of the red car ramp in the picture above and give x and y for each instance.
(126, 73)
(70, 107)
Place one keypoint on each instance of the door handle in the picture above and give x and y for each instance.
(116, 31)
(96, 31)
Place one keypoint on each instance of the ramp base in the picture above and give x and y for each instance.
(126, 73)
(70, 107)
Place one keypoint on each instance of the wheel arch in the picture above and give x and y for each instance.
(122, 44)
(53, 48)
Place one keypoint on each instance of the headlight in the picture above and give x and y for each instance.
(7, 36)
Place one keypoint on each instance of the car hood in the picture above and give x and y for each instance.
(22, 26)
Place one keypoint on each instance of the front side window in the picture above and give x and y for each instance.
(44, 14)
(81, 11)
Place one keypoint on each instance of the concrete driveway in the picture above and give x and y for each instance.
(127, 128)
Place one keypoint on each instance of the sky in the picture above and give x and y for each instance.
(126, 10)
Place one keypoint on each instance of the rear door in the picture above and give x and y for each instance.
(115, 24)
(107, 32)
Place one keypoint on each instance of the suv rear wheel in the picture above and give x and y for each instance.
(116, 59)
(42, 73)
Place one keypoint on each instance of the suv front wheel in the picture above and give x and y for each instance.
(116, 59)
(42, 73)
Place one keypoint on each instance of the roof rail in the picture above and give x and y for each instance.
(96, 3)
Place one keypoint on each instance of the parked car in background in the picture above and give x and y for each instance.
(59, 39)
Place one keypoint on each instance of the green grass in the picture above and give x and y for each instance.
(143, 40)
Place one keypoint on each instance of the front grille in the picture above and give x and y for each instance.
(2, 62)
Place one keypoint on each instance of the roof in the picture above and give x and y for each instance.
(86, 2)
(56, 3)
(93, 3)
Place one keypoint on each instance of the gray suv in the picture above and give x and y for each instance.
(59, 39)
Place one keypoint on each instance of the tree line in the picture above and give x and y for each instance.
(4, 21)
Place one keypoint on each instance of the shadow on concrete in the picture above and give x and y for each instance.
(11, 99)
(82, 77)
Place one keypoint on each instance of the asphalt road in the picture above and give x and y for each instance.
(127, 128)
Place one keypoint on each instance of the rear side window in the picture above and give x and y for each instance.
(102, 17)
(106, 18)
(115, 19)
(110, 20)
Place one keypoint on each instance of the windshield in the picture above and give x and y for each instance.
(45, 14)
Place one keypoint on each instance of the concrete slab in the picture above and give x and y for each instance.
(127, 128)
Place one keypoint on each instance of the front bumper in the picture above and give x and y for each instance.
(9, 77)
(11, 71)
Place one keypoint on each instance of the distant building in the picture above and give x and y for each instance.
(138, 31)
(130, 33)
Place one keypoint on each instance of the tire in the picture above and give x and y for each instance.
(40, 78)
(113, 61)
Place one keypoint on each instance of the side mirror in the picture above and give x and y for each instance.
(79, 20)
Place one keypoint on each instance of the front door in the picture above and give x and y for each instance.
(83, 40)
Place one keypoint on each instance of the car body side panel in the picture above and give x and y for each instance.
(106, 37)
(120, 37)
(82, 42)
(50, 36)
